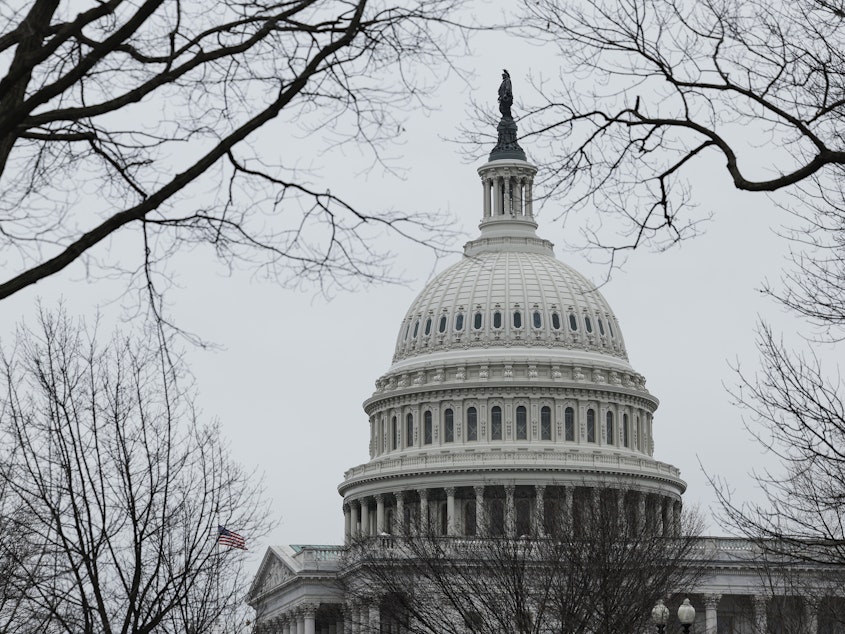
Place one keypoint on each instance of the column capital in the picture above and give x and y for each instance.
(711, 601)
(449, 490)
(309, 609)
(379, 497)
(399, 495)
(510, 489)
(423, 493)
(478, 489)
(760, 601)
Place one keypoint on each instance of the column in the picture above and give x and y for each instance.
(423, 524)
(508, 207)
(375, 617)
(288, 625)
(621, 519)
(331, 628)
(353, 518)
(348, 615)
(365, 517)
(339, 626)
(399, 517)
(480, 515)
(529, 198)
(540, 510)
(485, 187)
(658, 514)
(347, 524)
(639, 513)
(510, 515)
(300, 621)
(760, 604)
(711, 602)
(517, 197)
(450, 511)
(811, 616)
(309, 618)
(676, 518)
(497, 195)
(380, 514)
(668, 524)
(568, 499)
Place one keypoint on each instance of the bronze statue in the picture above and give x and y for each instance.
(505, 95)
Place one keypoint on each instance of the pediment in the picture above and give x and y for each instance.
(272, 573)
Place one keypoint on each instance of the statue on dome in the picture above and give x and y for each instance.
(505, 95)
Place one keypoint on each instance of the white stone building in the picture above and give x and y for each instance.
(510, 394)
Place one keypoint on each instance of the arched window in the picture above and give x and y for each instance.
(497, 319)
(569, 424)
(637, 433)
(521, 423)
(448, 426)
(409, 430)
(394, 431)
(588, 323)
(555, 321)
(601, 327)
(610, 328)
(441, 328)
(459, 322)
(591, 425)
(609, 427)
(573, 323)
(416, 328)
(625, 438)
(546, 423)
(478, 320)
(407, 330)
(517, 319)
(496, 423)
(472, 424)
(427, 428)
(428, 327)
(538, 321)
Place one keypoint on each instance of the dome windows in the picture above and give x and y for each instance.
(537, 319)
(394, 431)
(427, 330)
(610, 328)
(496, 423)
(569, 424)
(441, 327)
(409, 430)
(546, 423)
(517, 319)
(497, 319)
(449, 426)
(601, 327)
(428, 428)
(591, 425)
(472, 424)
(459, 322)
(416, 328)
(573, 322)
(521, 423)
(555, 321)
(609, 428)
(478, 320)
(588, 323)
(625, 433)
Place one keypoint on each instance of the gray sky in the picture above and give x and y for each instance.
(294, 367)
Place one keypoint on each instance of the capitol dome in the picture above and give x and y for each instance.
(510, 391)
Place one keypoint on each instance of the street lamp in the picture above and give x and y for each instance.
(686, 615)
(660, 615)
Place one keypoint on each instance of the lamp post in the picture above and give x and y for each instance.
(686, 615)
(659, 616)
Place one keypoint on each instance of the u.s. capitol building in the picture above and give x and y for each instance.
(510, 403)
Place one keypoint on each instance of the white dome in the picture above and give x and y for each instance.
(540, 302)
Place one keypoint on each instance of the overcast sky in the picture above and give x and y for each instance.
(294, 366)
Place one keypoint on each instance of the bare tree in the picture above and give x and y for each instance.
(118, 490)
(651, 90)
(594, 573)
(144, 115)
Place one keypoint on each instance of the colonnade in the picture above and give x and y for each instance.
(507, 195)
(304, 619)
(507, 510)
(759, 620)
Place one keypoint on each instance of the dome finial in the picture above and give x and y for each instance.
(506, 146)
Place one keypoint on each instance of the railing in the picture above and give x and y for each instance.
(629, 464)
(318, 557)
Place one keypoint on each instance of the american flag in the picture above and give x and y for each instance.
(229, 538)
